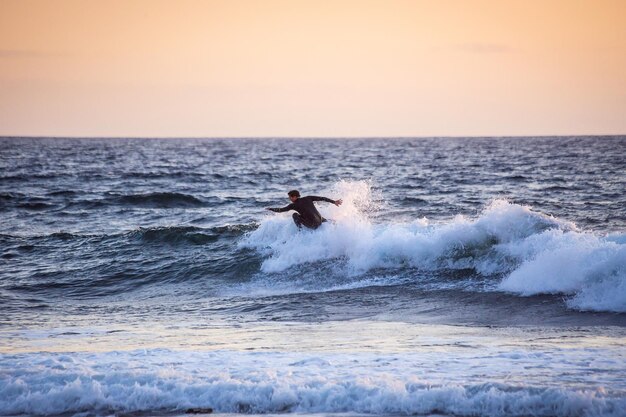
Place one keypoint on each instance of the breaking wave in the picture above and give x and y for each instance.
(161, 381)
(524, 251)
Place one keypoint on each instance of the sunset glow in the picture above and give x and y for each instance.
(312, 68)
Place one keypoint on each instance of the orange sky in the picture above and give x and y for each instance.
(312, 68)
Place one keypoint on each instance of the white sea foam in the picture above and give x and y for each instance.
(535, 252)
(591, 269)
(164, 380)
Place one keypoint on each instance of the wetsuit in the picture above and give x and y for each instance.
(307, 215)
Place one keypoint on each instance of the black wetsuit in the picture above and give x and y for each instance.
(307, 213)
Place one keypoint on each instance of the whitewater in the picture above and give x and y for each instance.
(536, 253)
(461, 276)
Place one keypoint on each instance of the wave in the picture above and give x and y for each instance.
(160, 200)
(524, 251)
(36, 206)
(147, 200)
(23, 201)
(191, 234)
(163, 234)
(10, 196)
(161, 380)
(591, 270)
(62, 193)
(135, 259)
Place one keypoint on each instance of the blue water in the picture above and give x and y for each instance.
(461, 276)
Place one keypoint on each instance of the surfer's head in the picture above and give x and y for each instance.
(293, 195)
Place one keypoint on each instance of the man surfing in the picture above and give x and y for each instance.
(307, 215)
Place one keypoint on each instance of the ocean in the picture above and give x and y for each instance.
(460, 277)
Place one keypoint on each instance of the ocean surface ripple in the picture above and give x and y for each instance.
(102, 239)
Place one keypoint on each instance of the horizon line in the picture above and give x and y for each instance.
(310, 137)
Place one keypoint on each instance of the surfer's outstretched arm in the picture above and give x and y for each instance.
(328, 200)
(280, 210)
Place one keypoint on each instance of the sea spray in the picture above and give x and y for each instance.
(536, 253)
(590, 268)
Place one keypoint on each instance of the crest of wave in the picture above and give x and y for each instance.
(353, 236)
(535, 252)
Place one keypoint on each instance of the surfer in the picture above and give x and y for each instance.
(307, 215)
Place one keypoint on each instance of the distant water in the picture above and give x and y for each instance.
(467, 276)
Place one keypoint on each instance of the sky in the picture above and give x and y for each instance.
(267, 68)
